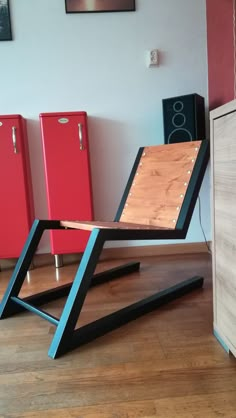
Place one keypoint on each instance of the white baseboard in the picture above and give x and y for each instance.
(116, 253)
(154, 250)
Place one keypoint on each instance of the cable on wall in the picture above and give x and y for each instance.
(234, 45)
(200, 221)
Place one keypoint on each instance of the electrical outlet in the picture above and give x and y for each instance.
(152, 57)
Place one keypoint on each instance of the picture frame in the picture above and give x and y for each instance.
(5, 21)
(99, 6)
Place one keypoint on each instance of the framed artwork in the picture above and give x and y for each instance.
(96, 6)
(5, 23)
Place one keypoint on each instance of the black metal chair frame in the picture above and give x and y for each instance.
(66, 337)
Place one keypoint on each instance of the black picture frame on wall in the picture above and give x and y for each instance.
(99, 6)
(5, 21)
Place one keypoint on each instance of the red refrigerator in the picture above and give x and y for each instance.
(68, 180)
(16, 205)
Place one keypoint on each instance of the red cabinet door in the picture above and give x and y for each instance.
(16, 205)
(67, 171)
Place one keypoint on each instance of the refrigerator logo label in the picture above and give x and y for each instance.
(1, 123)
(63, 120)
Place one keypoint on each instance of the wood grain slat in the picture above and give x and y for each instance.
(161, 182)
(162, 189)
(188, 149)
(89, 226)
(160, 169)
(153, 215)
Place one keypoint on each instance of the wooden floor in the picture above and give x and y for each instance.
(165, 364)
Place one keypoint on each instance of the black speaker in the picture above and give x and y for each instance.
(184, 118)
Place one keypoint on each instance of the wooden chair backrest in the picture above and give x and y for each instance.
(160, 184)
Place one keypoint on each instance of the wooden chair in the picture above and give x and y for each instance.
(158, 203)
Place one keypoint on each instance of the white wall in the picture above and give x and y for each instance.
(96, 62)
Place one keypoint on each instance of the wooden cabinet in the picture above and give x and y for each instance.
(16, 206)
(223, 170)
(67, 171)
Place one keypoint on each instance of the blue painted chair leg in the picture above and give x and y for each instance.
(65, 329)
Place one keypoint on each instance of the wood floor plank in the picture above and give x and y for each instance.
(166, 364)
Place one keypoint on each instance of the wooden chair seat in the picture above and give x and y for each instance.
(90, 225)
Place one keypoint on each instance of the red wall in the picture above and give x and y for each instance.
(220, 51)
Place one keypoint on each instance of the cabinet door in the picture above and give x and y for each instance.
(224, 185)
(67, 171)
(15, 187)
